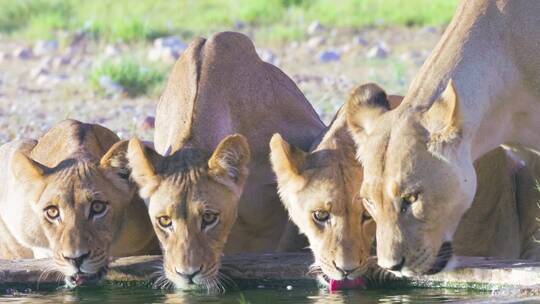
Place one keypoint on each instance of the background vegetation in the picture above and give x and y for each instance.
(132, 20)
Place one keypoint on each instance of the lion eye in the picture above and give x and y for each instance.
(321, 216)
(52, 212)
(164, 221)
(366, 216)
(407, 201)
(97, 208)
(209, 218)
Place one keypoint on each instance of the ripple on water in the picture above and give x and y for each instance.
(111, 294)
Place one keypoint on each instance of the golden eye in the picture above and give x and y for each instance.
(209, 218)
(164, 221)
(411, 198)
(97, 208)
(407, 201)
(52, 212)
(321, 216)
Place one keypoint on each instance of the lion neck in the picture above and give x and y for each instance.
(473, 52)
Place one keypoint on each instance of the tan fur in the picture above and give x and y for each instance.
(500, 222)
(70, 166)
(217, 88)
(426, 147)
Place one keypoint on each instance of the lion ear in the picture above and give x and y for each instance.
(229, 162)
(288, 162)
(142, 161)
(116, 158)
(27, 170)
(366, 103)
(443, 118)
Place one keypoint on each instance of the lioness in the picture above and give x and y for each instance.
(193, 182)
(419, 177)
(318, 189)
(66, 196)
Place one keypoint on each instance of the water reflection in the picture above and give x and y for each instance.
(109, 294)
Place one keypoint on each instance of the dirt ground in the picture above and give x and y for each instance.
(39, 90)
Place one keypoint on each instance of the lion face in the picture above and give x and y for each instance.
(419, 178)
(80, 205)
(318, 190)
(192, 201)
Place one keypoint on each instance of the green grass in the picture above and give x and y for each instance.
(133, 20)
(134, 78)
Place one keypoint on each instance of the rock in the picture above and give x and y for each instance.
(360, 40)
(38, 71)
(45, 47)
(268, 56)
(3, 56)
(109, 86)
(167, 49)
(429, 30)
(23, 53)
(315, 27)
(111, 51)
(58, 62)
(328, 56)
(239, 25)
(315, 42)
(380, 51)
(148, 123)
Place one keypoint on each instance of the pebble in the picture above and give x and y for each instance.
(45, 47)
(329, 56)
(148, 123)
(315, 27)
(315, 42)
(109, 86)
(268, 56)
(167, 49)
(380, 51)
(23, 53)
(360, 40)
(3, 56)
(111, 51)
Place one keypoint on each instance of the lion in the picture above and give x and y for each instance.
(479, 89)
(214, 120)
(318, 189)
(67, 196)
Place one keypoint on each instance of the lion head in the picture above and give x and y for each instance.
(80, 202)
(419, 177)
(192, 199)
(319, 190)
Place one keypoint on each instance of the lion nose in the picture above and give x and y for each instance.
(77, 260)
(397, 267)
(345, 271)
(189, 276)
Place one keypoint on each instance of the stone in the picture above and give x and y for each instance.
(23, 53)
(315, 27)
(359, 40)
(109, 86)
(148, 123)
(379, 51)
(268, 56)
(111, 51)
(45, 47)
(167, 49)
(329, 56)
(315, 42)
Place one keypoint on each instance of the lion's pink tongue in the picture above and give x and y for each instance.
(347, 284)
